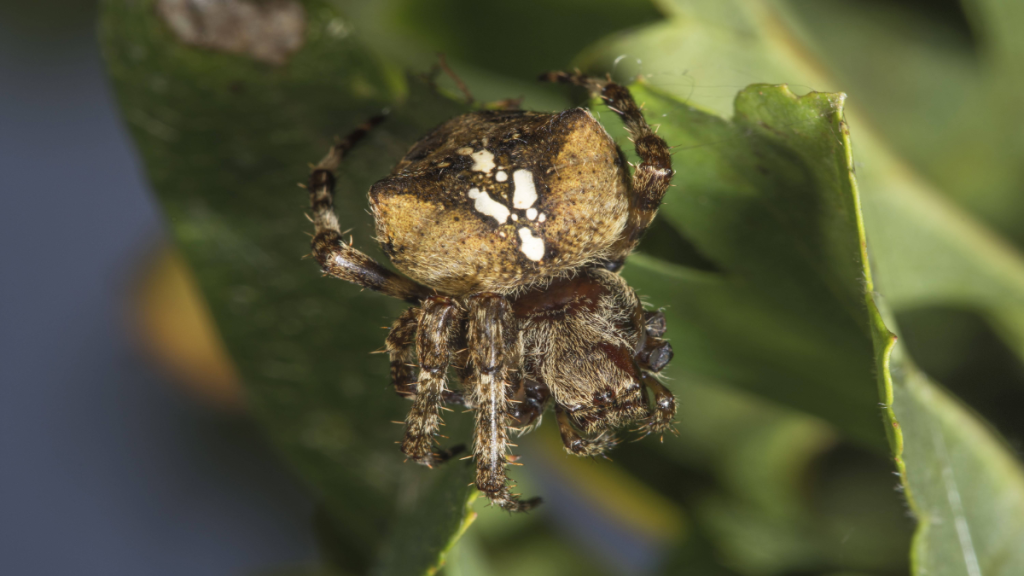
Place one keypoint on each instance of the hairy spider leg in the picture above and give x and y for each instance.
(654, 173)
(492, 338)
(439, 318)
(577, 444)
(337, 258)
(442, 66)
(399, 345)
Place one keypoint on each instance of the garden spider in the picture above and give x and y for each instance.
(512, 226)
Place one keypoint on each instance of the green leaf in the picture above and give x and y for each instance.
(225, 139)
(963, 484)
(785, 179)
(769, 199)
(773, 210)
(448, 513)
(928, 250)
(943, 107)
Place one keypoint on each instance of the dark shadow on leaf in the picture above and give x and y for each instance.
(664, 241)
(960, 349)
(946, 13)
(520, 41)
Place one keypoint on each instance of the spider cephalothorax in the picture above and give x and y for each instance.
(514, 225)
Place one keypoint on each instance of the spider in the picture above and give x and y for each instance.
(512, 226)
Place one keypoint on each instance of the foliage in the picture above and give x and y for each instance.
(792, 389)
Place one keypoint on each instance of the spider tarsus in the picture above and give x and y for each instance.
(445, 455)
(510, 502)
(527, 505)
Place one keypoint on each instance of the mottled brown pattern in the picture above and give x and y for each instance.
(429, 227)
(654, 173)
(522, 324)
(438, 320)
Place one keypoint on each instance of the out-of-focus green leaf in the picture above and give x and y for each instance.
(785, 318)
(927, 249)
(443, 514)
(962, 483)
(767, 198)
(803, 210)
(946, 110)
(943, 104)
(225, 139)
(926, 252)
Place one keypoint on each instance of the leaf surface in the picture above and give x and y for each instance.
(766, 197)
(928, 249)
(225, 139)
(961, 479)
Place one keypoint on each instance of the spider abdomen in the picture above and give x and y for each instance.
(497, 200)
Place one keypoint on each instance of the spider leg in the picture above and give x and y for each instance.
(492, 339)
(438, 320)
(651, 177)
(577, 444)
(337, 258)
(442, 63)
(399, 345)
(660, 420)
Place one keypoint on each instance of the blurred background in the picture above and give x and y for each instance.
(107, 466)
(125, 448)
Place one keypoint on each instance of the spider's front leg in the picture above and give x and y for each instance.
(337, 258)
(492, 338)
(438, 320)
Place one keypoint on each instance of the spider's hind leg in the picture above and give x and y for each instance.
(335, 257)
